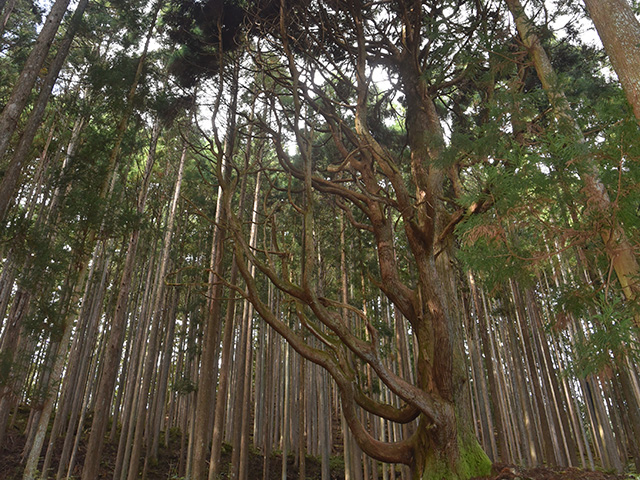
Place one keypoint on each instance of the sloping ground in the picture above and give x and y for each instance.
(511, 472)
(168, 465)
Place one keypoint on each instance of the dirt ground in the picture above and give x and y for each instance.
(168, 465)
(511, 472)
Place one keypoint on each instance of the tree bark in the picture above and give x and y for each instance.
(116, 335)
(155, 312)
(20, 94)
(619, 30)
(618, 248)
(207, 379)
(12, 172)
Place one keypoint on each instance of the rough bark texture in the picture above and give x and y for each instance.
(619, 31)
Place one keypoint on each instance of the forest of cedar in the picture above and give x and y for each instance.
(339, 239)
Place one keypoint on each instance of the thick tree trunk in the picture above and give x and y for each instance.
(450, 449)
(619, 30)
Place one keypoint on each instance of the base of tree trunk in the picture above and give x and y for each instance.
(463, 461)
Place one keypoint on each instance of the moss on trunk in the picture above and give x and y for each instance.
(466, 461)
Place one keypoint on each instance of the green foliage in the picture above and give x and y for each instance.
(203, 31)
(17, 40)
(611, 336)
(183, 386)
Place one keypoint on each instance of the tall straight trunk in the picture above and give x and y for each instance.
(159, 399)
(630, 410)
(526, 431)
(36, 195)
(270, 357)
(480, 393)
(13, 323)
(19, 158)
(209, 361)
(131, 372)
(243, 368)
(617, 245)
(284, 447)
(548, 373)
(261, 372)
(619, 30)
(81, 262)
(603, 424)
(118, 324)
(76, 376)
(206, 381)
(324, 418)
(43, 421)
(223, 382)
(19, 96)
(547, 439)
(493, 404)
(156, 315)
(243, 398)
(7, 279)
(246, 363)
(9, 346)
(301, 423)
(59, 363)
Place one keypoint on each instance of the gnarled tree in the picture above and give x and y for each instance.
(315, 64)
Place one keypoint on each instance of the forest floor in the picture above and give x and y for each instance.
(168, 466)
(510, 472)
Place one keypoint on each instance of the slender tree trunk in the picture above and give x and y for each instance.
(207, 382)
(43, 421)
(131, 372)
(617, 245)
(20, 94)
(532, 363)
(301, 423)
(284, 447)
(7, 9)
(238, 467)
(160, 405)
(116, 335)
(19, 158)
(223, 382)
(492, 404)
(76, 377)
(156, 315)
